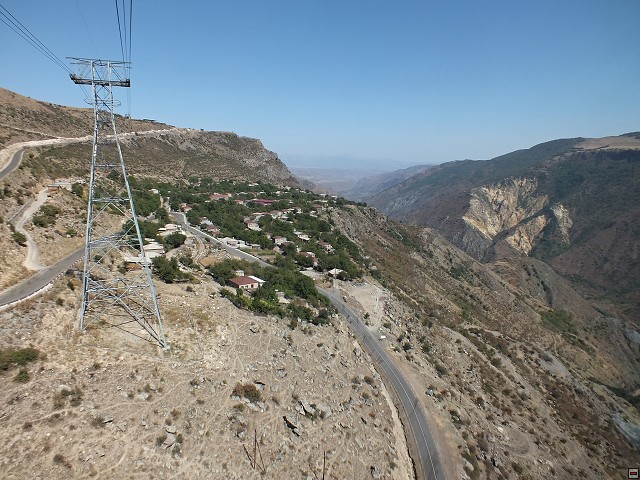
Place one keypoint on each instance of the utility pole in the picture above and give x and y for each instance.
(112, 296)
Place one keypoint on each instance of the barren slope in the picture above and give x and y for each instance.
(109, 405)
(524, 395)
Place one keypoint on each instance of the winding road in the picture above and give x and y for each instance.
(424, 441)
(428, 465)
(40, 279)
(10, 159)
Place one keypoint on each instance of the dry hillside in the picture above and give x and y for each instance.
(528, 390)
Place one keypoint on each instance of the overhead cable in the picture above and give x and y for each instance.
(14, 24)
(120, 31)
(26, 34)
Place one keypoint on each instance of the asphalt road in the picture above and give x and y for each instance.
(40, 279)
(430, 466)
(182, 219)
(430, 463)
(13, 164)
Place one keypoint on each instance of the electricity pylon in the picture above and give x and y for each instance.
(111, 295)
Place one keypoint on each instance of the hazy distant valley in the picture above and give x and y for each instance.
(356, 184)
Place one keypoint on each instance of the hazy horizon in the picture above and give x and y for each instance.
(400, 84)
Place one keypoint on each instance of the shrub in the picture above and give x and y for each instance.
(168, 270)
(77, 189)
(22, 376)
(441, 369)
(19, 238)
(173, 240)
(247, 390)
(20, 356)
(46, 216)
(560, 320)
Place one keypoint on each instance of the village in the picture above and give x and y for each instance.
(287, 228)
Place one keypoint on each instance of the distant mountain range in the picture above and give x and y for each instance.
(574, 203)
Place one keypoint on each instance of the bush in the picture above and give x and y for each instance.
(168, 270)
(441, 369)
(22, 376)
(77, 189)
(560, 320)
(173, 240)
(19, 238)
(46, 216)
(20, 356)
(247, 390)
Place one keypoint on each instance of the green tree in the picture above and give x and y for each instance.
(162, 216)
(173, 240)
(77, 189)
(168, 270)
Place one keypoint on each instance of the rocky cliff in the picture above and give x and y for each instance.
(572, 203)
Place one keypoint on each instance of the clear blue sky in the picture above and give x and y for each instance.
(410, 81)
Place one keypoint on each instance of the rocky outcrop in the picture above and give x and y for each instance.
(524, 236)
(564, 221)
(514, 213)
(496, 208)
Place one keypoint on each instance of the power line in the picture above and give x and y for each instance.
(125, 41)
(126, 38)
(26, 34)
(130, 15)
(18, 27)
(84, 22)
(120, 30)
(129, 75)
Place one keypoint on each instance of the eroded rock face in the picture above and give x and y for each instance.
(564, 221)
(496, 208)
(512, 212)
(526, 234)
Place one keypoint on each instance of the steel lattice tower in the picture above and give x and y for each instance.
(111, 295)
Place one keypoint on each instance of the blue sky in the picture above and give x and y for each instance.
(405, 81)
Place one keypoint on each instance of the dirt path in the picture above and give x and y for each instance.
(32, 260)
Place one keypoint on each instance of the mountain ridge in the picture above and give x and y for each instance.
(182, 151)
(553, 201)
